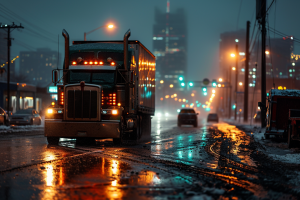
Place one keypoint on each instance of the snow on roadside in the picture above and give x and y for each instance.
(287, 158)
(17, 129)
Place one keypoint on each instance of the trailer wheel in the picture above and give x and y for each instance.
(291, 143)
(53, 140)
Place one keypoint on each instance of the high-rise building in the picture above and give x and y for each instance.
(38, 65)
(170, 49)
(170, 44)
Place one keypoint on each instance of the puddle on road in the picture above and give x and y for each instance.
(99, 177)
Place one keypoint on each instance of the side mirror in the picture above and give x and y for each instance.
(54, 76)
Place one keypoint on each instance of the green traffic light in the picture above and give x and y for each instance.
(214, 84)
(191, 84)
(182, 84)
(180, 78)
(204, 89)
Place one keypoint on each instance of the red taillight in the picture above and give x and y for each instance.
(85, 62)
(91, 62)
(101, 63)
(61, 98)
(96, 63)
(112, 63)
(109, 100)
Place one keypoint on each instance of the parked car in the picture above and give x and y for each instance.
(26, 117)
(212, 117)
(3, 117)
(187, 116)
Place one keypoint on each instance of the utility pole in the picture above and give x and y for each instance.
(9, 28)
(229, 96)
(246, 74)
(263, 6)
(236, 78)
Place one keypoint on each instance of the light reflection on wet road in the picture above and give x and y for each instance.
(142, 171)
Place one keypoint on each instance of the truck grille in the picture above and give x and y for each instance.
(82, 104)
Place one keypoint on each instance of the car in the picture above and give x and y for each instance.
(3, 117)
(187, 116)
(212, 117)
(26, 117)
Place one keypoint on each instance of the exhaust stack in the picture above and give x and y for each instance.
(126, 36)
(66, 64)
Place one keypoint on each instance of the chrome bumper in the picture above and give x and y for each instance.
(65, 129)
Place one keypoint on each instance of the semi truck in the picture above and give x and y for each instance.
(107, 90)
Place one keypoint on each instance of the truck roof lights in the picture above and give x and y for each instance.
(85, 62)
(74, 63)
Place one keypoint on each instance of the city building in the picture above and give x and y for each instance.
(170, 49)
(37, 66)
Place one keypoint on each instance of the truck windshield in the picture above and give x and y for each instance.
(105, 78)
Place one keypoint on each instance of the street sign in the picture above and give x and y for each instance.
(205, 81)
(52, 89)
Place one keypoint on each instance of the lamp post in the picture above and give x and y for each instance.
(236, 78)
(108, 26)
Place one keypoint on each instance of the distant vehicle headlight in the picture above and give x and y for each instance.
(50, 111)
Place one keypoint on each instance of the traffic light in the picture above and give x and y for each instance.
(191, 84)
(214, 83)
(234, 106)
(182, 84)
(180, 78)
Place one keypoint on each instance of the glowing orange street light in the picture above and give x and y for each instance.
(108, 26)
(220, 79)
(240, 83)
(171, 86)
(232, 55)
(233, 68)
(267, 52)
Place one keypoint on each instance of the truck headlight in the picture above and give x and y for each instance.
(114, 112)
(50, 111)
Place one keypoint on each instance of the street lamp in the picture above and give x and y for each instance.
(110, 26)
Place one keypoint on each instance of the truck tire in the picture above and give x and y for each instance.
(53, 140)
(291, 143)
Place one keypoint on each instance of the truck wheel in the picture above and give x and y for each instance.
(291, 143)
(117, 141)
(53, 140)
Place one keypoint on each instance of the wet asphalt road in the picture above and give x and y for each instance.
(212, 161)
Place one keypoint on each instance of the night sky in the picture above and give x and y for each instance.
(206, 20)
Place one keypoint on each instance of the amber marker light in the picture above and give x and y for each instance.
(112, 63)
(85, 62)
(50, 111)
(91, 62)
(96, 63)
(101, 63)
(74, 63)
(119, 104)
(53, 103)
